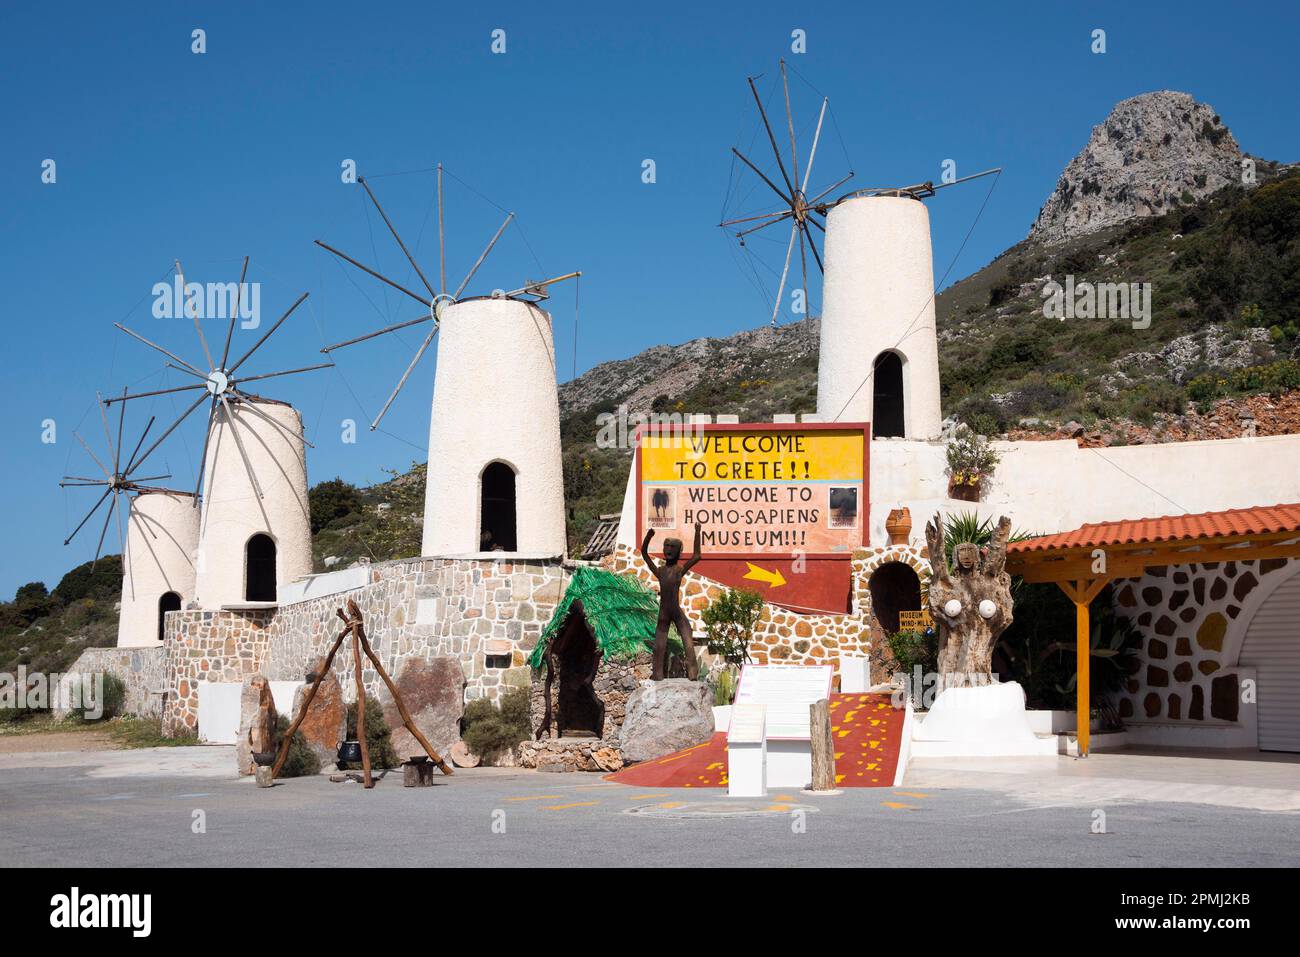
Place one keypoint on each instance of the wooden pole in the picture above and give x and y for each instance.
(302, 714)
(1083, 655)
(397, 698)
(823, 746)
(361, 709)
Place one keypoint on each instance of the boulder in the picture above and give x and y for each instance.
(257, 719)
(326, 723)
(434, 694)
(665, 716)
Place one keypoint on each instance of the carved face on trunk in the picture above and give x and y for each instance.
(966, 556)
(672, 550)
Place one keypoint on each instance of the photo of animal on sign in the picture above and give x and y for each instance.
(757, 489)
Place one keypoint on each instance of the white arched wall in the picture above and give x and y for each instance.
(161, 540)
(233, 512)
(494, 399)
(878, 296)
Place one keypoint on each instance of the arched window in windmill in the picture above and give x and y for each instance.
(497, 517)
(259, 568)
(168, 601)
(887, 401)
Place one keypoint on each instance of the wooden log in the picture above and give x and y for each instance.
(823, 746)
(416, 733)
(361, 709)
(306, 703)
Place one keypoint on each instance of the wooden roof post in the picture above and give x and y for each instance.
(1082, 684)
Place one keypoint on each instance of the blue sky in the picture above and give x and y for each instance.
(164, 154)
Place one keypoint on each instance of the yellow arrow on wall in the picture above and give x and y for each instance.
(773, 578)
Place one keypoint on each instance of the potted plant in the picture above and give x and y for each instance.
(971, 459)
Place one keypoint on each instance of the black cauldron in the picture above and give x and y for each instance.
(350, 752)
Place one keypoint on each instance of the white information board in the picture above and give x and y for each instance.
(787, 690)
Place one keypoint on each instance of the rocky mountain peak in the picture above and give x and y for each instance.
(1151, 153)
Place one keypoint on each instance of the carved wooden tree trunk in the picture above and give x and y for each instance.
(971, 602)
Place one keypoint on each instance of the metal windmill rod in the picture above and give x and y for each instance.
(194, 314)
(93, 510)
(780, 290)
(776, 189)
(230, 332)
(249, 404)
(482, 256)
(789, 118)
(545, 282)
(108, 518)
(750, 219)
(131, 461)
(367, 269)
(377, 332)
(154, 345)
(405, 375)
(239, 443)
(107, 473)
(272, 375)
(771, 137)
(393, 230)
(753, 229)
(442, 247)
(145, 395)
(812, 155)
(269, 332)
(171, 428)
(203, 456)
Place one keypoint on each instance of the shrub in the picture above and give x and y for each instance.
(729, 624)
(301, 761)
(379, 737)
(332, 500)
(490, 730)
(109, 700)
(912, 648)
(970, 457)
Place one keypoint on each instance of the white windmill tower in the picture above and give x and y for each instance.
(495, 479)
(159, 542)
(255, 525)
(879, 356)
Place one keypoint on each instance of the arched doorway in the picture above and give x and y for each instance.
(168, 601)
(497, 509)
(259, 568)
(887, 419)
(894, 587)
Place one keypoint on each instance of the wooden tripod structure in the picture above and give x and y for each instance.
(355, 626)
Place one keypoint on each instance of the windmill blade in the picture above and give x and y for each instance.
(812, 155)
(198, 327)
(144, 395)
(409, 258)
(230, 332)
(203, 456)
(789, 118)
(269, 332)
(803, 267)
(367, 269)
(442, 247)
(770, 136)
(172, 365)
(153, 345)
(753, 229)
(834, 185)
(249, 406)
(117, 449)
(104, 531)
(405, 375)
(93, 510)
(776, 189)
(131, 461)
(121, 539)
(107, 474)
(780, 290)
(151, 478)
(377, 332)
(272, 375)
(239, 444)
(813, 246)
(482, 256)
(83, 479)
(750, 219)
(108, 437)
(171, 428)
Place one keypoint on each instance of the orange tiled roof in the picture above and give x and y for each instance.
(1263, 520)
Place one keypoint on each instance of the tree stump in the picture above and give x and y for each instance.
(823, 746)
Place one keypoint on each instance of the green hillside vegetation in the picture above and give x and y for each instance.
(46, 630)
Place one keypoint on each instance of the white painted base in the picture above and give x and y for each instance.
(721, 717)
(747, 769)
(855, 674)
(983, 721)
(328, 583)
(789, 764)
(219, 711)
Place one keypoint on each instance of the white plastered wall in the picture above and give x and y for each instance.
(233, 512)
(494, 400)
(878, 296)
(162, 537)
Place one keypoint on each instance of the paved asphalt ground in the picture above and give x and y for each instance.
(65, 816)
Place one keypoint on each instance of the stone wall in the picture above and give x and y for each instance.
(1193, 619)
(413, 608)
(614, 683)
(142, 670)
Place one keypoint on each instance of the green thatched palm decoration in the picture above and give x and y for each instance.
(619, 609)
